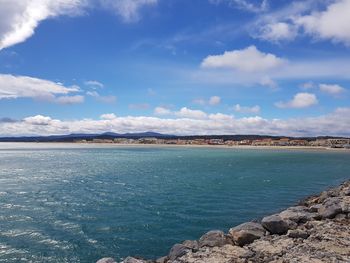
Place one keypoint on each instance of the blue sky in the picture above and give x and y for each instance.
(175, 66)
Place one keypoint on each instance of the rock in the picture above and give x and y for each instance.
(330, 208)
(106, 260)
(298, 214)
(178, 250)
(215, 238)
(297, 233)
(345, 204)
(192, 244)
(346, 191)
(224, 254)
(275, 224)
(162, 260)
(340, 216)
(315, 208)
(132, 260)
(246, 233)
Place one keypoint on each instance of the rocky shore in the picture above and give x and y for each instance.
(316, 230)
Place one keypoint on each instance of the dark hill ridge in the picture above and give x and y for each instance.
(111, 135)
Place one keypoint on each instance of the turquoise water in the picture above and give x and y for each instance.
(69, 203)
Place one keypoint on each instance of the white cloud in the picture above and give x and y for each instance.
(336, 123)
(162, 111)
(38, 120)
(104, 99)
(319, 19)
(243, 109)
(249, 59)
(320, 69)
(108, 116)
(12, 87)
(332, 89)
(220, 117)
(268, 82)
(333, 23)
(128, 10)
(244, 5)
(69, 99)
(214, 100)
(307, 85)
(94, 84)
(191, 114)
(278, 31)
(300, 100)
(19, 18)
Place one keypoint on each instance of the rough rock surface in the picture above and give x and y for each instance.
(315, 231)
(275, 224)
(246, 233)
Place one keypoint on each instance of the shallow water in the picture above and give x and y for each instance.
(75, 203)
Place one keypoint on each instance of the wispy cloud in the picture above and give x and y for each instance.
(13, 87)
(128, 10)
(19, 19)
(244, 5)
(94, 84)
(101, 98)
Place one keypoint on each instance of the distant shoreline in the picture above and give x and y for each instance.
(115, 145)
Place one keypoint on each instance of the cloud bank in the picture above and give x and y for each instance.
(336, 123)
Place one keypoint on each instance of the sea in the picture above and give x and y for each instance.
(79, 203)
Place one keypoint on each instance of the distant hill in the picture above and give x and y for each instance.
(112, 135)
(76, 137)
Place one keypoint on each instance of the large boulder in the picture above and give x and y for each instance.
(106, 260)
(178, 250)
(298, 214)
(132, 260)
(246, 233)
(275, 224)
(330, 208)
(215, 238)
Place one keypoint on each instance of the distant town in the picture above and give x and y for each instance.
(328, 143)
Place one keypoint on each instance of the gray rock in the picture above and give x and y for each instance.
(178, 250)
(340, 216)
(298, 214)
(106, 260)
(132, 260)
(330, 208)
(345, 204)
(215, 238)
(275, 224)
(315, 208)
(246, 233)
(192, 244)
(297, 233)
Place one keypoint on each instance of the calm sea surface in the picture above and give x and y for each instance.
(71, 203)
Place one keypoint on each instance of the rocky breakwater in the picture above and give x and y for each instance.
(317, 230)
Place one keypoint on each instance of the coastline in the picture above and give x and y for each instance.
(115, 145)
(315, 230)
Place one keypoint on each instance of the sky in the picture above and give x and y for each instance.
(175, 67)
